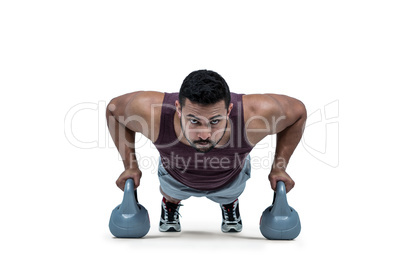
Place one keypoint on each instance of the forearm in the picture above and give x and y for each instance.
(287, 141)
(123, 138)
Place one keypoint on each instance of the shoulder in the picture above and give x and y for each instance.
(139, 111)
(145, 110)
(267, 114)
(134, 103)
(261, 105)
(144, 103)
(268, 105)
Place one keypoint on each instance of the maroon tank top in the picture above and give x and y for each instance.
(202, 171)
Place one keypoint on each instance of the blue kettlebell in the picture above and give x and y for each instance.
(129, 219)
(280, 221)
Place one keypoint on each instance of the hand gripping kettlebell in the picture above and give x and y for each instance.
(129, 219)
(280, 221)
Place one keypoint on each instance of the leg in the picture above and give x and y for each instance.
(231, 220)
(168, 198)
(169, 221)
(173, 192)
(228, 200)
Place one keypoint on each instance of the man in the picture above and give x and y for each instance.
(204, 135)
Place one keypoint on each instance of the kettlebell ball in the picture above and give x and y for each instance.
(129, 219)
(280, 221)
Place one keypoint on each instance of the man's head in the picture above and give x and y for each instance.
(204, 87)
(204, 107)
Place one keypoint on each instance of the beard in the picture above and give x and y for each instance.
(205, 148)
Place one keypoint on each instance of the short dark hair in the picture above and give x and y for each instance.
(204, 87)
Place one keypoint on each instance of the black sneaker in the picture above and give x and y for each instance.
(169, 217)
(231, 220)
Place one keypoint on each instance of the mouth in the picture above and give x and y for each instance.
(203, 146)
(203, 143)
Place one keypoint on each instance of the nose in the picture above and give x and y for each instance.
(204, 134)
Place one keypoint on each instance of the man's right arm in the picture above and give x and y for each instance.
(127, 115)
(122, 128)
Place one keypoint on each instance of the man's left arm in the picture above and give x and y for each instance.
(290, 131)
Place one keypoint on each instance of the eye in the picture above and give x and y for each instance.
(215, 122)
(193, 121)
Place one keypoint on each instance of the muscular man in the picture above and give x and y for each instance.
(204, 135)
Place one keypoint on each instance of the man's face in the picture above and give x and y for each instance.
(203, 125)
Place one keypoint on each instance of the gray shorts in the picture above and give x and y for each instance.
(225, 195)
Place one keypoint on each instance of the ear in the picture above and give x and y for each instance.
(230, 108)
(178, 108)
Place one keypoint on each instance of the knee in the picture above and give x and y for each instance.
(169, 198)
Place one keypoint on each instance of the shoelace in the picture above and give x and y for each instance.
(172, 211)
(229, 212)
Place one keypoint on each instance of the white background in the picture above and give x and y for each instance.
(56, 198)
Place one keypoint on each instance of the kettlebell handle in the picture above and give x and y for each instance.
(280, 190)
(129, 205)
(280, 187)
(280, 205)
(130, 185)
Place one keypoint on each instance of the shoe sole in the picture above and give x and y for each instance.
(170, 229)
(232, 229)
